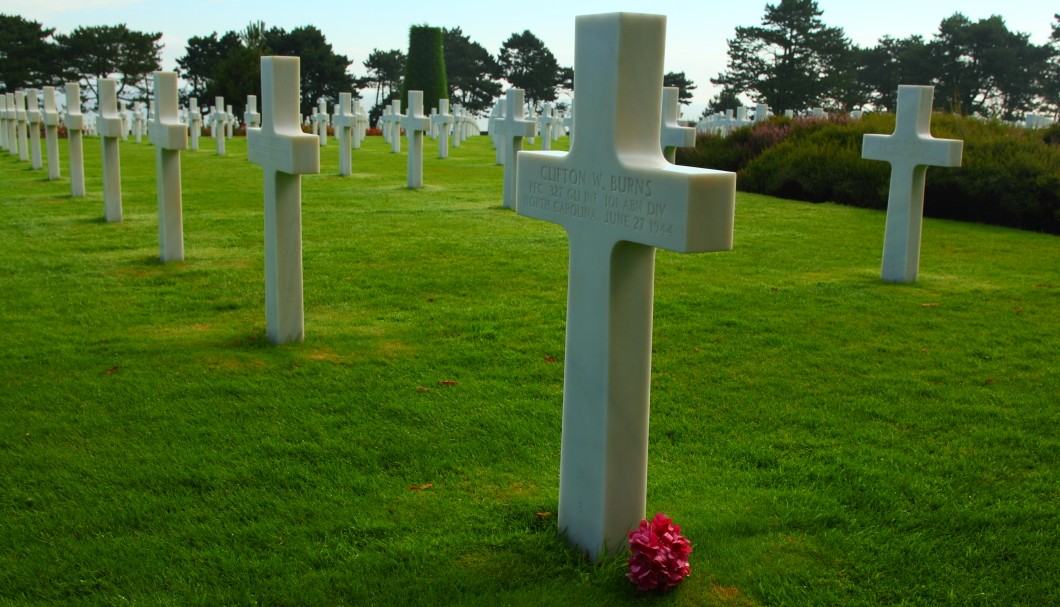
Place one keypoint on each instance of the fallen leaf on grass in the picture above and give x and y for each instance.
(430, 300)
(421, 487)
(448, 382)
(990, 380)
(549, 359)
(1019, 310)
(111, 371)
(422, 389)
(543, 515)
(929, 305)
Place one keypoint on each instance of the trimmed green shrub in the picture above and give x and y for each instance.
(425, 67)
(1009, 176)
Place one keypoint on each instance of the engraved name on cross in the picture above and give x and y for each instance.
(910, 149)
(285, 153)
(618, 200)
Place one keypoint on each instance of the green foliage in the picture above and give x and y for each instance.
(27, 55)
(527, 64)
(1010, 176)
(683, 83)
(93, 52)
(385, 70)
(201, 57)
(822, 437)
(425, 67)
(324, 72)
(471, 71)
(793, 61)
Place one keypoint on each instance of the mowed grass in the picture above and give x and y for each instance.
(822, 437)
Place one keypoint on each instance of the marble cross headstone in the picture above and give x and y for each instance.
(359, 125)
(194, 124)
(285, 153)
(415, 124)
(110, 128)
(33, 120)
(544, 123)
(4, 118)
(169, 136)
(910, 150)
(395, 126)
(217, 124)
(443, 120)
(618, 200)
(320, 121)
(51, 131)
(510, 131)
(12, 123)
(75, 123)
(3, 123)
(23, 125)
(344, 122)
(673, 135)
(251, 117)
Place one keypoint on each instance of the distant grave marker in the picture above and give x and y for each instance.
(673, 135)
(909, 150)
(415, 124)
(75, 123)
(110, 128)
(443, 121)
(33, 120)
(51, 132)
(344, 123)
(169, 137)
(285, 153)
(509, 130)
(22, 118)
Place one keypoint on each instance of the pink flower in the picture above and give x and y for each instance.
(660, 554)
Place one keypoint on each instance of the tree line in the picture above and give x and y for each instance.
(793, 60)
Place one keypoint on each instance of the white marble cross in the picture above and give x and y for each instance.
(110, 128)
(344, 122)
(33, 120)
(443, 121)
(320, 121)
(618, 200)
(285, 153)
(75, 123)
(218, 118)
(544, 123)
(510, 130)
(4, 118)
(22, 118)
(169, 136)
(415, 124)
(396, 118)
(359, 125)
(50, 118)
(194, 124)
(12, 123)
(910, 150)
(673, 135)
(251, 117)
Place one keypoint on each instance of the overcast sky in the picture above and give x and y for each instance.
(697, 31)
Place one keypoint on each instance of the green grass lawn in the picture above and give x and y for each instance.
(822, 437)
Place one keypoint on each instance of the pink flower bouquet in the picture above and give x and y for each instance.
(660, 554)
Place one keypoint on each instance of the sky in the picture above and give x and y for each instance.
(696, 42)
